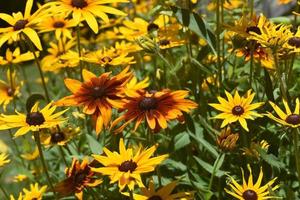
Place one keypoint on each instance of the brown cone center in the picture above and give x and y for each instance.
(128, 165)
(57, 137)
(35, 119)
(155, 197)
(20, 24)
(293, 119)
(164, 42)
(148, 103)
(79, 3)
(237, 110)
(254, 29)
(59, 24)
(152, 27)
(98, 92)
(294, 41)
(250, 195)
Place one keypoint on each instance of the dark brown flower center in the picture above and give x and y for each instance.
(98, 92)
(155, 197)
(57, 137)
(35, 118)
(20, 24)
(59, 24)
(254, 29)
(148, 103)
(10, 92)
(164, 42)
(237, 110)
(152, 27)
(106, 59)
(294, 41)
(79, 178)
(250, 195)
(128, 165)
(79, 3)
(293, 119)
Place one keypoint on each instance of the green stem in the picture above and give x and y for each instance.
(296, 151)
(11, 71)
(17, 148)
(131, 195)
(79, 51)
(38, 142)
(214, 171)
(218, 41)
(4, 192)
(38, 63)
(251, 63)
(63, 155)
(282, 85)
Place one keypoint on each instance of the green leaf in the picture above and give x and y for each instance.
(181, 140)
(196, 24)
(206, 145)
(95, 146)
(268, 86)
(208, 167)
(32, 100)
(270, 158)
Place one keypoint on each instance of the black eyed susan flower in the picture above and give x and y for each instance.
(33, 121)
(164, 193)
(155, 107)
(19, 23)
(287, 118)
(293, 43)
(35, 192)
(3, 159)
(7, 91)
(19, 178)
(125, 167)
(59, 24)
(16, 57)
(227, 139)
(249, 190)
(55, 136)
(79, 176)
(86, 10)
(97, 95)
(252, 150)
(237, 108)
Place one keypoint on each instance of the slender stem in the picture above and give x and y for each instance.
(38, 142)
(279, 74)
(296, 151)
(218, 41)
(214, 171)
(251, 8)
(4, 192)
(62, 155)
(38, 63)
(11, 71)
(17, 148)
(79, 51)
(251, 62)
(131, 195)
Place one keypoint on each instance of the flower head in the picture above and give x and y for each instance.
(287, 118)
(155, 107)
(250, 190)
(125, 167)
(35, 192)
(97, 95)
(227, 140)
(237, 108)
(16, 57)
(3, 159)
(33, 121)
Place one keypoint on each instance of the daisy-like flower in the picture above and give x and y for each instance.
(58, 137)
(79, 176)
(252, 191)
(19, 178)
(3, 159)
(8, 92)
(59, 25)
(287, 118)
(34, 120)
(227, 139)
(97, 95)
(22, 24)
(35, 192)
(156, 107)
(16, 57)
(125, 167)
(252, 150)
(86, 10)
(164, 193)
(237, 108)
(271, 35)
(293, 43)
(31, 155)
(107, 57)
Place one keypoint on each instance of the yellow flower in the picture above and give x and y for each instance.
(249, 190)
(229, 5)
(164, 193)
(280, 2)
(22, 24)
(19, 178)
(227, 139)
(31, 155)
(287, 118)
(107, 57)
(34, 121)
(86, 10)
(133, 86)
(293, 43)
(271, 35)
(8, 92)
(236, 109)
(3, 159)
(35, 192)
(58, 137)
(252, 150)
(16, 57)
(126, 168)
(59, 25)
